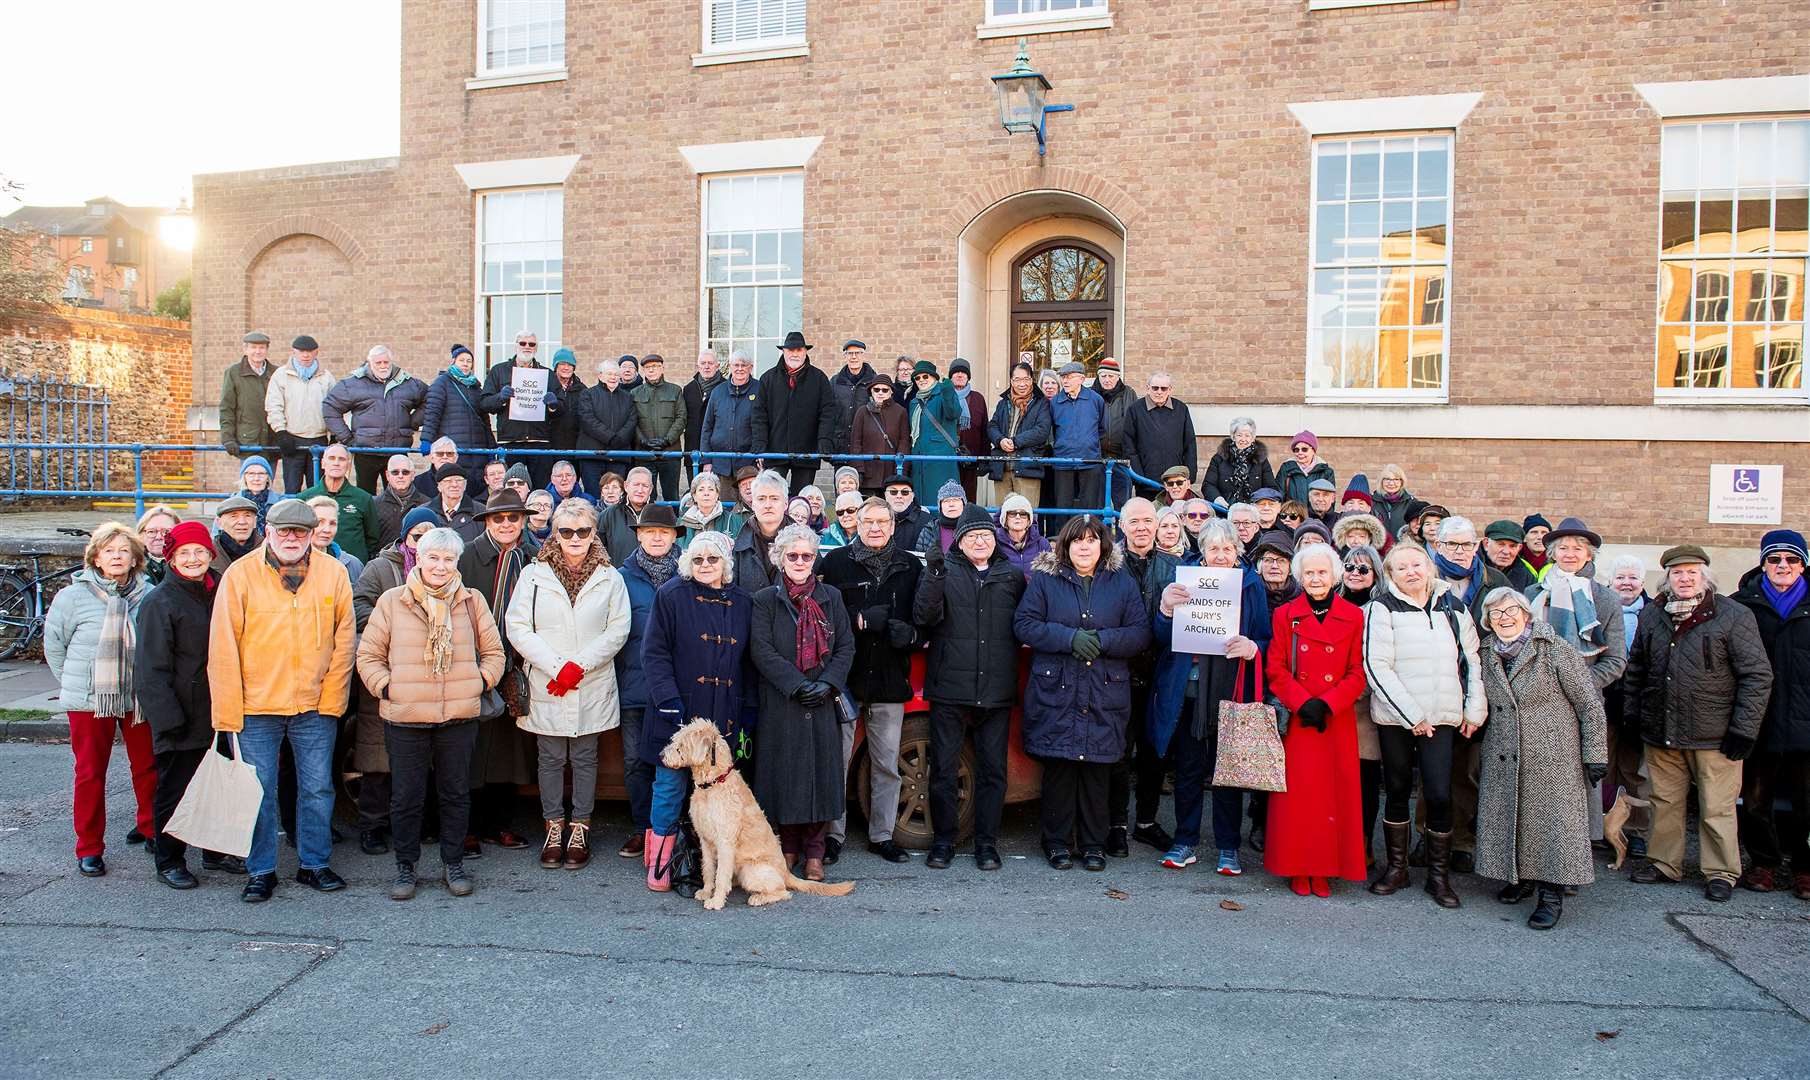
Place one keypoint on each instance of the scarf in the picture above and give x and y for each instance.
(1567, 604)
(573, 578)
(1534, 562)
(1360, 597)
(508, 571)
(659, 571)
(305, 372)
(1472, 579)
(113, 694)
(438, 604)
(1785, 602)
(813, 625)
(235, 550)
(407, 551)
(873, 561)
(1510, 649)
(460, 377)
(1244, 471)
(1282, 594)
(1681, 610)
(261, 500)
(293, 574)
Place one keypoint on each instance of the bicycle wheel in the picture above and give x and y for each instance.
(17, 626)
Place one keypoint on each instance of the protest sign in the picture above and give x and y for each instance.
(1210, 618)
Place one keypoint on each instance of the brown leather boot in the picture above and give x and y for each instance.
(553, 851)
(578, 845)
(1395, 854)
(1439, 863)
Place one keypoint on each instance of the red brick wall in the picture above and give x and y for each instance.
(1182, 131)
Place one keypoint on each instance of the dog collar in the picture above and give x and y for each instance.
(718, 780)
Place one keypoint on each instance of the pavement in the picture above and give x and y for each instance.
(1137, 971)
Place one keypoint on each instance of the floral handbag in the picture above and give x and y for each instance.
(1250, 751)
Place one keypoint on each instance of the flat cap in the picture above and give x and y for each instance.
(256, 337)
(304, 343)
(291, 514)
(1683, 555)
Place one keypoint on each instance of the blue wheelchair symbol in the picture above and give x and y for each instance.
(1747, 480)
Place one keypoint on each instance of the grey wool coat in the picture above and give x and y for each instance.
(798, 769)
(1545, 722)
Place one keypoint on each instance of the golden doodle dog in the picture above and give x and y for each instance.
(738, 846)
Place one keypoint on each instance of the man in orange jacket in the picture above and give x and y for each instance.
(279, 667)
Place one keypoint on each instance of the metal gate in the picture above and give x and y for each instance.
(44, 412)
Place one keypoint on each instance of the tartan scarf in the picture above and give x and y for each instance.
(813, 624)
(437, 603)
(293, 574)
(113, 694)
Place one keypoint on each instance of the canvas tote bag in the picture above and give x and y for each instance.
(1250, 752)
(220, 807)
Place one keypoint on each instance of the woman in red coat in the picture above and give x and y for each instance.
(1316, 669)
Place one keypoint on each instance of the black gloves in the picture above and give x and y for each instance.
(231, 448)
(1595, 770)
(812, 693)
(874, 619)
(900, 633)
(1314, 714)
(1085, 645)
(1736, 747)
(656, 444)
(285, 442)
(933, 558)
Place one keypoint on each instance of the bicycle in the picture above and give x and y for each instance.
(22, 606)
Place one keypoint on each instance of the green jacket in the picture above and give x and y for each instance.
(242, 421)
(659, 415)
(358, 530)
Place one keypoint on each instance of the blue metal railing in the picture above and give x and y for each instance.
(142, 498)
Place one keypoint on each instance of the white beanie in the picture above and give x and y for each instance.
(1016, 502)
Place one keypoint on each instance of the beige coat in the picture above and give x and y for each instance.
(550, 631)
(294, 404)
(392, 659)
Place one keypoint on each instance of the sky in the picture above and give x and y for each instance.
(130, 98)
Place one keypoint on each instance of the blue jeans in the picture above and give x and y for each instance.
(310, 738)
(668, 801)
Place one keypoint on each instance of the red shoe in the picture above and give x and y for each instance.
(1299, 885)
(1758, 879)
(508, 840)
(1322, 887)
(659, 865)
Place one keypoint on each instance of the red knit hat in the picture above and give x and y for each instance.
(189, 532)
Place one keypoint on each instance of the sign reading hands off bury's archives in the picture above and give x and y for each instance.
(1210, 617)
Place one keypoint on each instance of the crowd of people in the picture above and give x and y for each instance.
(476, 627)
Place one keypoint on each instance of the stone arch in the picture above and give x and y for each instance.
(293, 224)
(302, 283)
(1114, 200)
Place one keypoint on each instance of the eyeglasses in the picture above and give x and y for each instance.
(848, 510)
(1180, 481)
(527, 345)
(800, 556)
(154, 531)
(399, 472)
(1504, 614)
(899, 493)
(1290, 517)
(1783, 560)
(1457, 545)
(294, 532)
(1199, 516)
(1358, 568)
(1155, 389)
(507, 519)
(706, 560)
(880, 391)
(575, 534)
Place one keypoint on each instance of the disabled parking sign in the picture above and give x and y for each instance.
(1746, 494)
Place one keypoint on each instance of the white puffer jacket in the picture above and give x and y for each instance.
(549, 630)
(1418, 670)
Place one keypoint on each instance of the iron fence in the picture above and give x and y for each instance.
(57, 435)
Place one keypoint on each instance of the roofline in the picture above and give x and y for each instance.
(303, 171)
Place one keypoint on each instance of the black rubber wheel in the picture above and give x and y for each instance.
(16, 626)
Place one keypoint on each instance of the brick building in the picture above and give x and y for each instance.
(1543, 256)
(115, 254)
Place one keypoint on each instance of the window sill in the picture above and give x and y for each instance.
(747, 56)
(519, 78)
(1673, 396)
(1335, 5)
(1377, 397)
(986, 31)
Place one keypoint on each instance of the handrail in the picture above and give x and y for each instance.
(141, 497)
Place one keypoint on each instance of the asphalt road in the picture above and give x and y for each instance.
(1027, 972)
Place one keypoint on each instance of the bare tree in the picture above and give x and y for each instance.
(31, 275)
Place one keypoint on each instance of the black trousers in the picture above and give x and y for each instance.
(446, 749)
(374, 801)
(540, 466)
(1370, 778)
(175, 768)
(1075, 489)
(591, 470)
(367, 470)
(803, 474)
(637, 775)
(949, 726)
(1402, 749)
(1074, 801)
(1765, 778)
(298, 465)
(1142, 763)
(666, 476)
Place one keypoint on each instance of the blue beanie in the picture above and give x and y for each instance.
(258, 460)
(1532, 520)
(1787, 540)
(565, 356)
(417, 516)
(1359, 482)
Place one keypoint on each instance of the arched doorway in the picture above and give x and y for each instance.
(1087, 283)
(1062, 303)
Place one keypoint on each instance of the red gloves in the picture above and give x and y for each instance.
(566, 681)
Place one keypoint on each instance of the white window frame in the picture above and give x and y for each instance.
(1394, 395)
(760, 364)
(1096, 17)
(87, 245)
(770, 48)
(549, 342)
(1686, 102)
(486, 76)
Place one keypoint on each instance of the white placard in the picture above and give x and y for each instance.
(1210, 618)
(530, 400)
(1746, 494)
(1062, 350)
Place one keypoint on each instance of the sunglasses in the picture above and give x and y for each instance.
(399, 472)
(527, 345)
(575, 534)
(848, 511)
(1157, 388)
(523, 484)
(800, 556)
(1291, 517)
(1177, 482)
(706, 560)
(1192, 516)
(507, 518)
(1358, 568)
(881, 391)
(1783, 560)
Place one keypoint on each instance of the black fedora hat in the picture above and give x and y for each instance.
(658, 517)
(506, 501)
(795, 340)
